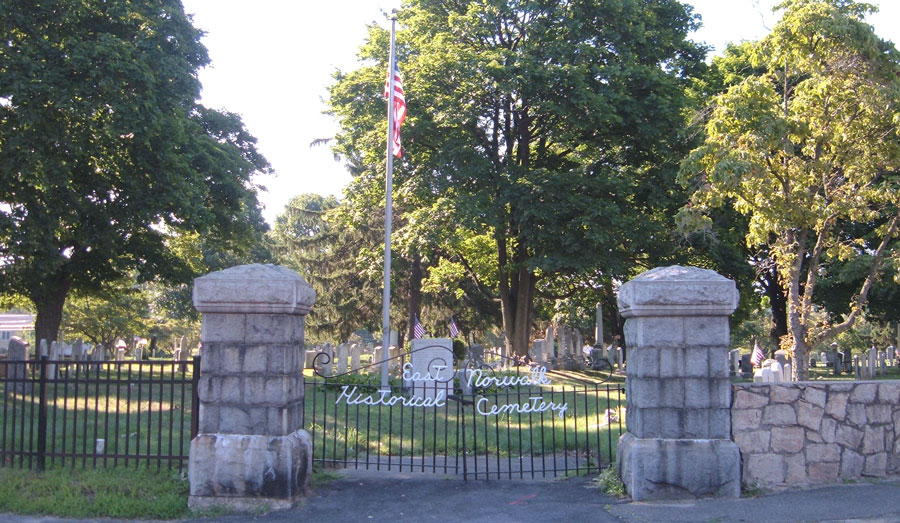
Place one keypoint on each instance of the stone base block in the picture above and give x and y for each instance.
(653, 469)
(245, 472)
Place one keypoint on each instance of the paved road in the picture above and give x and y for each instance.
(407, 497)
(374, 496)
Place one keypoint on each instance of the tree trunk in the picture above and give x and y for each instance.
(414, 302)
(49, 305)
(778, 302)
(798, 330)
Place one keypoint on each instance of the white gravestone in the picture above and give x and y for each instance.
(327, 368)
(77, 350)
(342, 354)
(430, 369)
(355, 352)
(55, 355)
(377, 357)
(548, 342)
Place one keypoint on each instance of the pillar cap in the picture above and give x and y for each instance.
(678, 291)
(253, 289)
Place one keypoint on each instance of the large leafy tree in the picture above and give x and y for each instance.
(105, 153)
(550, 126)
(808, 149)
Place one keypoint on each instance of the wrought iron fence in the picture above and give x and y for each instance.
(509, 427)
(97, 413)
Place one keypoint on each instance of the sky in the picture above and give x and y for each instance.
(273, 59)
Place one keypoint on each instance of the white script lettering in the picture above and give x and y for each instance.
(538, 376)
(408, 373)
(535, 404)
(384, 397)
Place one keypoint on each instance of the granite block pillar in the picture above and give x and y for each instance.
(678, 443)
(251, 450)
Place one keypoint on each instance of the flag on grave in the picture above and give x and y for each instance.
(758, 355)
(454, 330)
(418, 329)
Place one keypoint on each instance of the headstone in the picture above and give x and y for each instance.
(746, 366)
(678, 440)
(310, 355)
(77, 350)
(16, 368)
(429, 372)
(579, 345)
(251, 449)
(55, 355)
(882, 362)
(138, 353)
(735, 359)
(823, 358)
(176, 356)
(834, 361)
(777, 372)
(620, 358)
(786, 372)
(120, 354)
(857, 372)
(342, 355)
(781, 356)
(355, 352)
(598, 327)
(327, 361)
(377, 356)
(549, 342)
(871, 357)
(891, 355)
(43, 349)
(537, 350)
(475, 353)
(394, 338)
(563, 344)
(598, 356)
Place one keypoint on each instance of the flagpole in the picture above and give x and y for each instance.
(388, 181)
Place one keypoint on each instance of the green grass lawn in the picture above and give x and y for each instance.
(125, 492)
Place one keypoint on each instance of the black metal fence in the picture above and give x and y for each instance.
(512, 426)
(97, 413)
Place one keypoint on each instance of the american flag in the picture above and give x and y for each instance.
(454, 330)
(418, 329)
(758, 355)
(399, 107)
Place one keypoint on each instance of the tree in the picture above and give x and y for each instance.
(119, 313)
(808, 149)
(551, 126)
(105, 154)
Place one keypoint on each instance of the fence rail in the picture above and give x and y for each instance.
(536, 431)
(97, 413)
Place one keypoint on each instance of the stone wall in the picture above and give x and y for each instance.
(804, 433)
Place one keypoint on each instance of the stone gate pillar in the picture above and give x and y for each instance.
(678, 443)
(251, 449)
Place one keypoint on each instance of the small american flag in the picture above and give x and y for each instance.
(454, 330)
(418, 329)
(758, 355)
(399, 107)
